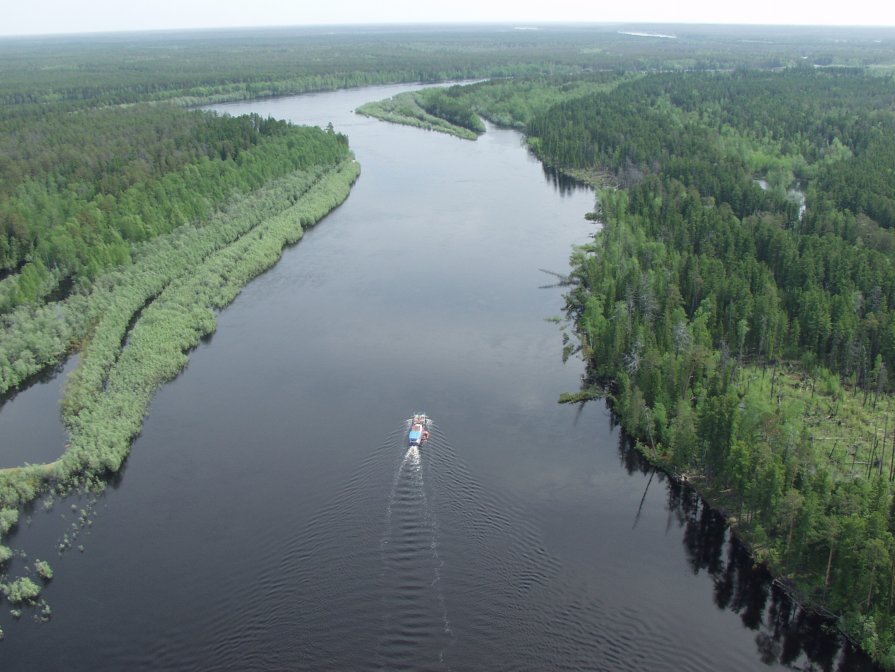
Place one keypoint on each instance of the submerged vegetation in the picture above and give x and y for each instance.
(21, 590)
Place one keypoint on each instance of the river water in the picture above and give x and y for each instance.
(270, 516)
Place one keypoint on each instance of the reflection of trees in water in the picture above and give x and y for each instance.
(565, 185)
(43, 376)
(786, 633)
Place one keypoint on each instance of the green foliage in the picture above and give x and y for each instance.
(205, 66)
(781, 283)
(8, 519)
(445, 104)
(190, 67)
(124, 226)
(864, 182)
(699, 290)
(79, 191)
(43, 570)
(22, 590)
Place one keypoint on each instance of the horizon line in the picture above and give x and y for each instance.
(436, 24)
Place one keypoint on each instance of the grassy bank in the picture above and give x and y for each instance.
(175, 287)
(405, 109)
(105, 403)
(173, 292)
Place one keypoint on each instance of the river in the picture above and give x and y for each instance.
(271, 517)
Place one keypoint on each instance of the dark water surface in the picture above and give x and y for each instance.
(31, 428)
(271, 518)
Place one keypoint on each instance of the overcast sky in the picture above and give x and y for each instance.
(72, 16)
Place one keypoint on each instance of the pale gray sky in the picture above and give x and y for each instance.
(70, 16)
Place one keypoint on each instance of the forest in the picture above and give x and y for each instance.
(736, 305)
(745, 343)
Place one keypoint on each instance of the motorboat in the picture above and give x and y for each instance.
(419, 430)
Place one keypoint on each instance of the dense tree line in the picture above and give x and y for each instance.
(79, 190)
(865, 182)
(83, 233)
(514, 102)
(115, 69)
(458, 110)
(833, 295)
(407, 109)
(701, 285)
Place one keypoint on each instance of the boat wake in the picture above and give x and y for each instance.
(416, 630)
(414, 565)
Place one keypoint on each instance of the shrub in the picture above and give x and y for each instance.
(8, 518)
(22, 590)
(43, 569)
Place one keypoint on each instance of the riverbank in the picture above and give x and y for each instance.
(155, 312)
(833, 416)
(796, 463)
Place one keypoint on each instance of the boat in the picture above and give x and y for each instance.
(419, 430)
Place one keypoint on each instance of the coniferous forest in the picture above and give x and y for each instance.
(736, 306)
